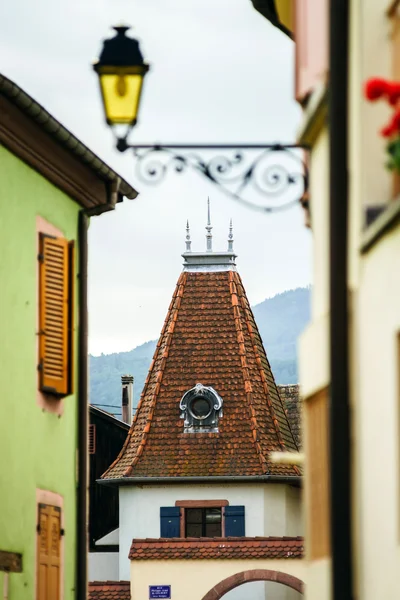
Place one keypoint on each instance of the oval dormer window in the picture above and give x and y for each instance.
(201, 408)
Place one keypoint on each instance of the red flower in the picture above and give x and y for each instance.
(393, 92)
(376, 88)
(392, 127)
(396, 121)
(387, 131)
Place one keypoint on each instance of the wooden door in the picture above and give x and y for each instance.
(48, 552)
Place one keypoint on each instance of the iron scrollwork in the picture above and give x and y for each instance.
(248, 173)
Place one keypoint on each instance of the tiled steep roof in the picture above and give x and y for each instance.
(109, 590)
(290, 396)
(209, 336)
(211, 548)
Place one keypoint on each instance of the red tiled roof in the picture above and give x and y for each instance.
(109, 590)
(290, 396)
(222, 548)
(209, 336)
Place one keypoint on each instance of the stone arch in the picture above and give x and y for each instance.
(228, 584)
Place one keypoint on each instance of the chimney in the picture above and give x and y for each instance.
(127, 398)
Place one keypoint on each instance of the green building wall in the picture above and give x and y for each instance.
(37, 448)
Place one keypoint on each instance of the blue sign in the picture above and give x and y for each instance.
(159, 591)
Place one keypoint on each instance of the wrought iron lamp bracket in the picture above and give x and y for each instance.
(248, 173)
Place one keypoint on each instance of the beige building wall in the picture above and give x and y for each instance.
(377, 420)
(374, 293)
(270, 510)
(370, 56)
(193, 579)
(294, 512)
(375, 319)
(314, 342)
(319, 193)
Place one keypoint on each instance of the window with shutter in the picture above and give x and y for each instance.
(48, 552)
(55, 315)
(170, 517)
(311, 36)
(234, 521)
(203, 522)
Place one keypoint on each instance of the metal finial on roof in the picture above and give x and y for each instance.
(230, 237)
(188, 240)
(208, 228)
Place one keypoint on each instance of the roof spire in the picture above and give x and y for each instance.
(208, 228)
(230, 237)
(188, 240)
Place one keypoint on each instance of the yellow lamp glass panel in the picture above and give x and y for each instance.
(121, 95)
(285, 10)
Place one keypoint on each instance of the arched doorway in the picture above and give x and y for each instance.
(228, 584)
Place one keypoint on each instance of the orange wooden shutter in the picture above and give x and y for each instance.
(317, 477)
(54, 351)
(48, 553)
(71, 292)
(311, 36)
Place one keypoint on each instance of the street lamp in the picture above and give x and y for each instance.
(248, 173)
(279, 12)
(121, 70)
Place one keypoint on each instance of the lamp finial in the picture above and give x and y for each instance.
(188, 240)
(230, 237)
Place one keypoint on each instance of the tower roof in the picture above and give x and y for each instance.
(209, 336)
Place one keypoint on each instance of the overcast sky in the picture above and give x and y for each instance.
(219, 73)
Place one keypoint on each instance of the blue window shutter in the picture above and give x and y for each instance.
(234, 521)
(170, 521)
